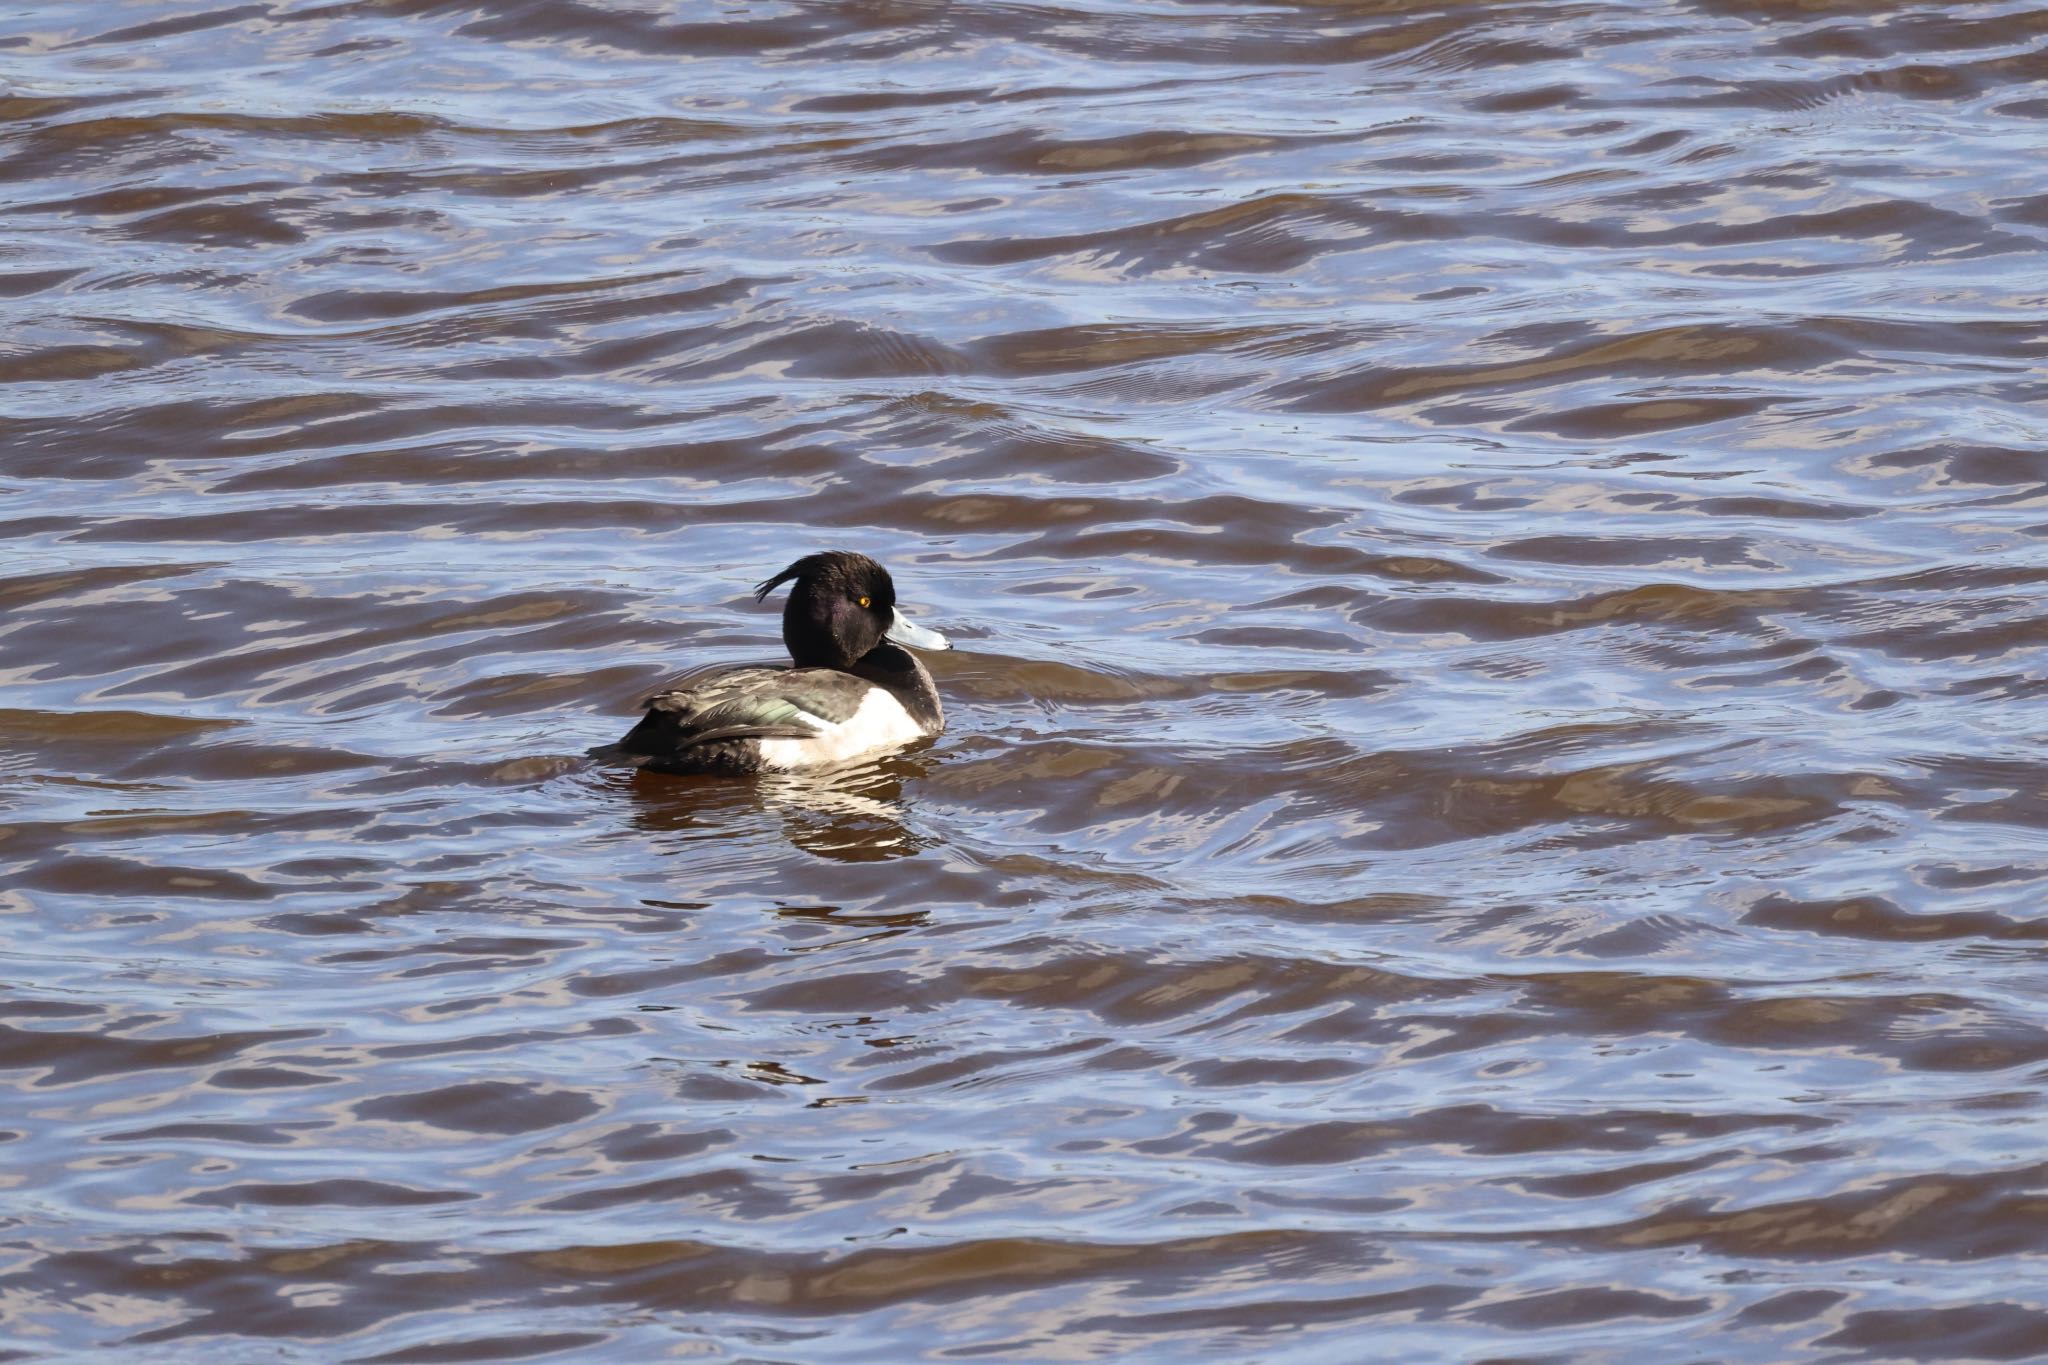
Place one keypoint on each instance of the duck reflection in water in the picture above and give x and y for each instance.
(851, 814)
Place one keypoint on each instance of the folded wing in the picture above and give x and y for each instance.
(753, 703)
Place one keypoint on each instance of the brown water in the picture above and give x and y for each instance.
(1496, 792)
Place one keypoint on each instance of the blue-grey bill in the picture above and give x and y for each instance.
(902, 632)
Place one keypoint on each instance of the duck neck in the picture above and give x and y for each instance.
(904, 674)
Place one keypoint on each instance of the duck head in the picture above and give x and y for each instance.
(841, 606)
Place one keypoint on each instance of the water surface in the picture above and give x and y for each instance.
(1494, 804)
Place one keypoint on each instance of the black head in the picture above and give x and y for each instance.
(840, 608)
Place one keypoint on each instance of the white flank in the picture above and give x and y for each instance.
(880, 723)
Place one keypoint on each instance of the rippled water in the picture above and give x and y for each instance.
(1494, 805)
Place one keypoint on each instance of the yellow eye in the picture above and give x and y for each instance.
(863, 601)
